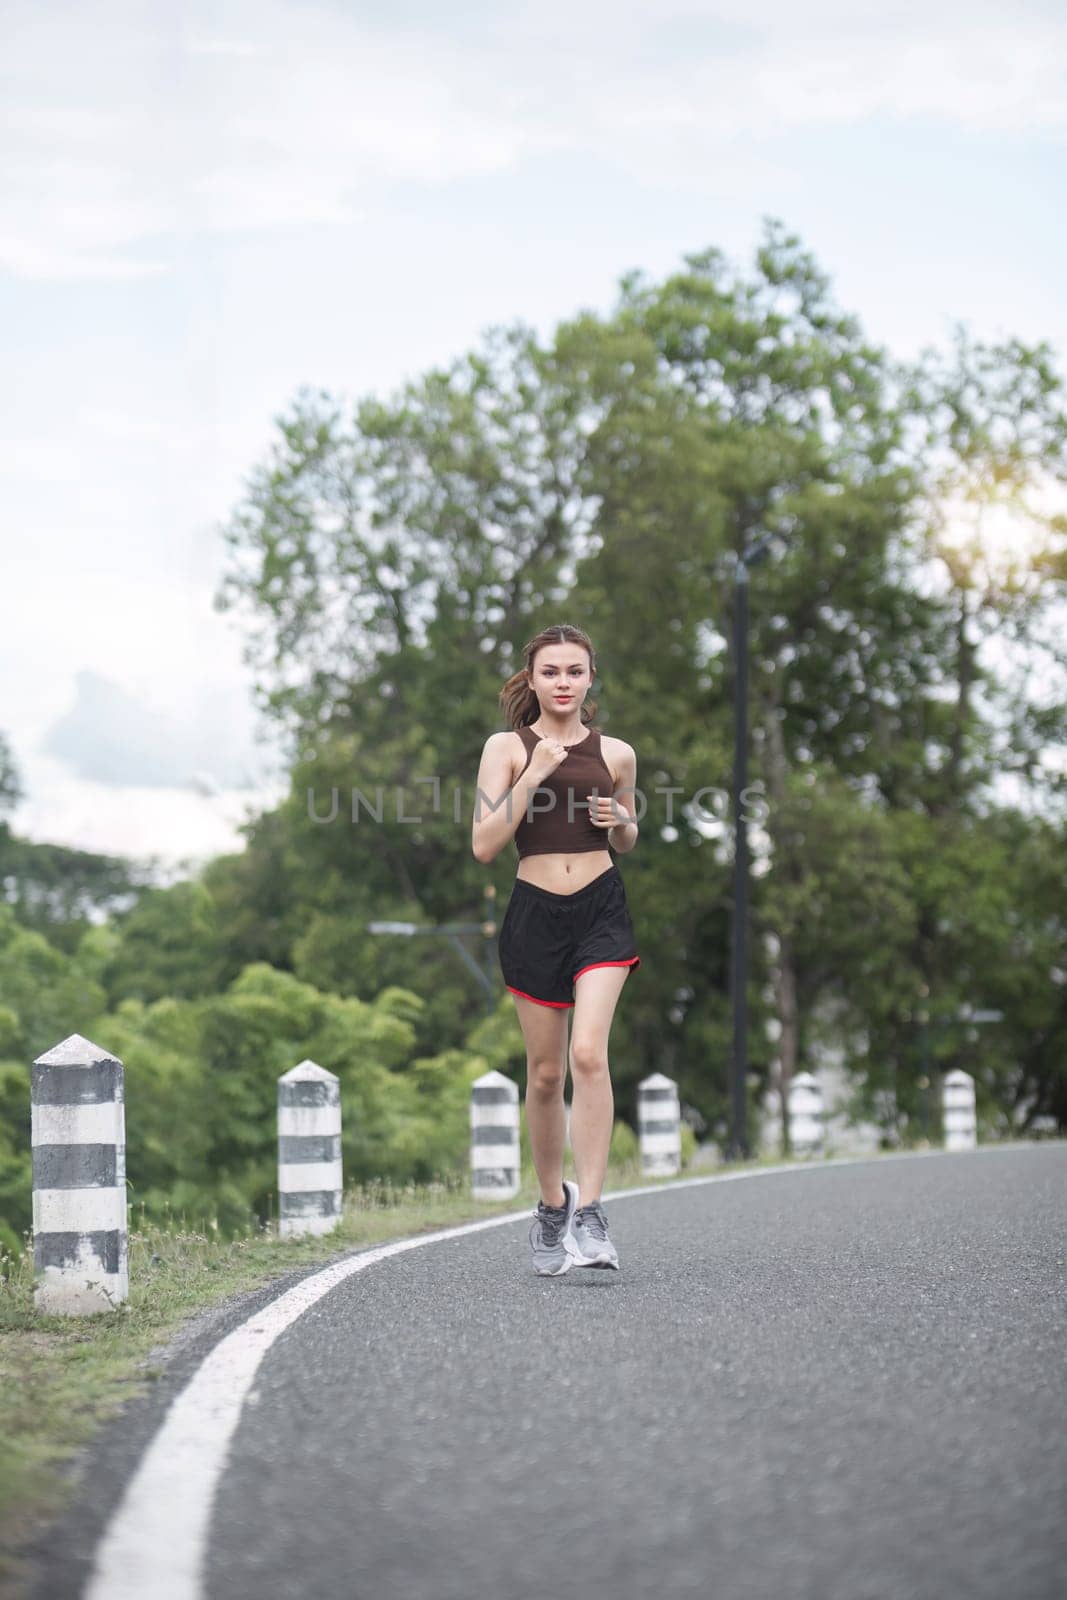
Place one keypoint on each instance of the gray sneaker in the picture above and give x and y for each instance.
(551, 1237)
(590, 1231)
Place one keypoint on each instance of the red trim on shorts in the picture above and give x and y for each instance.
(634, 961)
(562, 1003)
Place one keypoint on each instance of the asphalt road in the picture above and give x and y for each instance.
(843, 1382)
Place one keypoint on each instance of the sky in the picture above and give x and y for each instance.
(204, 206)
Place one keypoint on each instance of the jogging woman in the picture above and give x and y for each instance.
(565, 793)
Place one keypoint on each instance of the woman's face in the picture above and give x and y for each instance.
(561, 670)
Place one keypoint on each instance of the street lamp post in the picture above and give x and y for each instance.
(738, 1146)
(451, 931)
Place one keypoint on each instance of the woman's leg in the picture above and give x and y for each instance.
(592, 1101)
(544, 1030)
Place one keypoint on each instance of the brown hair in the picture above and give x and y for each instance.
(517, 698)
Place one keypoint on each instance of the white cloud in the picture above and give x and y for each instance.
(203, 140)
(65, 610)
(222, 47)
(117, 738)
(131, 128)
(993, 78)
(173, 824)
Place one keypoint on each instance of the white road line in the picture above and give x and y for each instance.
(156, 1541)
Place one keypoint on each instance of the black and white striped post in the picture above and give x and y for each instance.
(494, 1113)
(310, 1183)
(659, 1126)
(806, 1115)
(78, 1162)
(959, 1118)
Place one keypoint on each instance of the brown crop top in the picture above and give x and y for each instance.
(563, 824)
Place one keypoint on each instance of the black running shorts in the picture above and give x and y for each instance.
(548, 940)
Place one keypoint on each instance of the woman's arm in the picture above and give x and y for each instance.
(616, 813)
(499, 807)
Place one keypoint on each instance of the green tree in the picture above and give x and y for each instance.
(42, 989)
(168, 944)
(393, 562)
(11, 790)
(60, 892)
(991, 435)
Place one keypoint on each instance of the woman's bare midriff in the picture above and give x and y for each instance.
(563, 874)
(558, 871)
